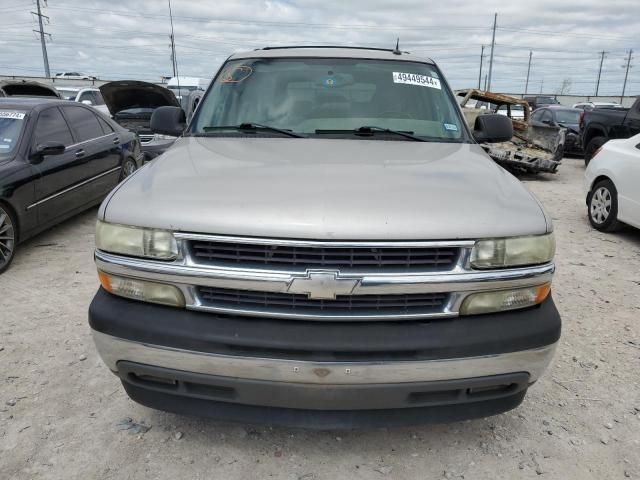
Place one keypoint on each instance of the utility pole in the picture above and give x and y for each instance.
(541, 85)
(493, 44)
(173, 54)
(42, 33)
(626, 75)
(485, 82)
(600, 71)
(174, 59)
(480, 73)
(526, 86)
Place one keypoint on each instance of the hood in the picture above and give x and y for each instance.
(326, 189)
(9, 88)
(126, 94)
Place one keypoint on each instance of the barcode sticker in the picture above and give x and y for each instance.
(10, 114)
(415, 79)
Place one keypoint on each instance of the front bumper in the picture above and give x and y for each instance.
(313, 374)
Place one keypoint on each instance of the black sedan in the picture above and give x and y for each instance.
(57, 158)
(563, 117)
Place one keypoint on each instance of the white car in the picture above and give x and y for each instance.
(74, 76)
(517, 111)
(594, 105)
(612, 181)
(87, 95)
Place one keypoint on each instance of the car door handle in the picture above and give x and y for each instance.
(116, 141)
(80, 154)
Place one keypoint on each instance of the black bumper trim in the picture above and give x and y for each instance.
(322, 341)
(318, 419)
(321, 396)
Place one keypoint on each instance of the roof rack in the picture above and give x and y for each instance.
(328, 46)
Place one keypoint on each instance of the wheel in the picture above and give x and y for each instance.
(594, 144)
(8, 237)
(128, 167)
(603, 206)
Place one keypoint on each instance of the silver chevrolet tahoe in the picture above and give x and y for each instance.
(327, 246)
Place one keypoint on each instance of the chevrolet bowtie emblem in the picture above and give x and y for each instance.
(323, 284)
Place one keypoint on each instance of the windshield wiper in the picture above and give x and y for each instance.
(253, 127)
(371, 130)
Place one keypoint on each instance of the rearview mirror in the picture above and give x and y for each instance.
(168, 121)
(493, 128)
(47, 148)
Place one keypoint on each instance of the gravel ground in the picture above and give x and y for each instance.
(64, 415)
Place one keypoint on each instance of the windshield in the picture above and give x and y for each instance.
(567, 116)
(11, 123)
(547, 100)
(67, 94)
(311, 95)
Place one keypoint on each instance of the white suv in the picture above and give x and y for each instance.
(88, 96)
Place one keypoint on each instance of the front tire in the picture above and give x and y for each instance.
(594, 144)
(602, 206)
(8, 237)
(128, 167)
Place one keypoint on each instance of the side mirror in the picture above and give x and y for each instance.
(47, 148)
(168, 121)
(493, 128)
(87, 102)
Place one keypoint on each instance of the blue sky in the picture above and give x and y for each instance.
(118, 39)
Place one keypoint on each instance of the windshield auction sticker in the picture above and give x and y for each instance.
(237, 74)
(415, 79)
(10, 114)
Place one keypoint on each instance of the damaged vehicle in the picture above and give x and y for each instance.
(563, 117)
(131, 104)
(532, 149)
(24, 88)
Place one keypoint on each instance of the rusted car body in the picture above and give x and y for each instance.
(532, 149)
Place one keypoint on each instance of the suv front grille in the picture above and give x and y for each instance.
(275, 302)
(426, 259)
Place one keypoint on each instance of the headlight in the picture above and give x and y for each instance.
(513, 252)
(159, 136)
(137, 242)
(499, 301)
(142, 290)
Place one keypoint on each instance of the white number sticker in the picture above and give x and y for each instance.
(10, 114)
(415, 79)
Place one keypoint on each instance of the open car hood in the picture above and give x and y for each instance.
(126, 94)
(10, 88)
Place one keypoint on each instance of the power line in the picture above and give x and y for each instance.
(563, 34)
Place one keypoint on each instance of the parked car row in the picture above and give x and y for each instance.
(589, 124)
(345, 309)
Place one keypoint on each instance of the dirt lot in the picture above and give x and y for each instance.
(62, 411)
